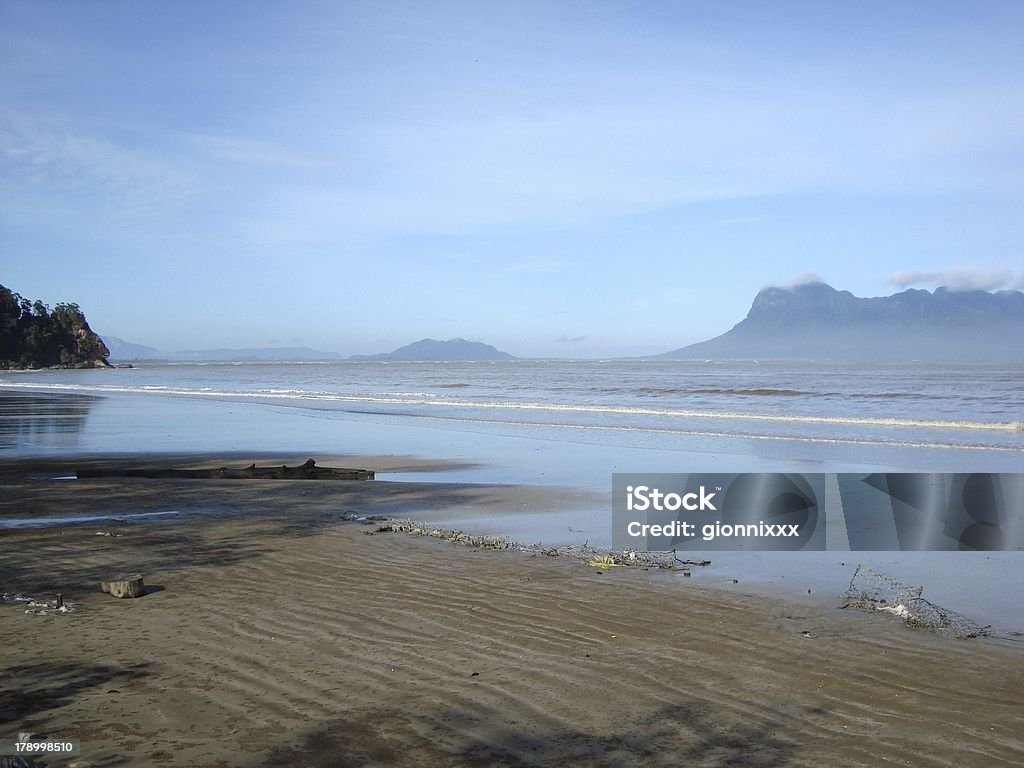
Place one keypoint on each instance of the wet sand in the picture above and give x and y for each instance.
(278, 634)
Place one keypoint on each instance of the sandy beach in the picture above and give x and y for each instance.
(277, 633)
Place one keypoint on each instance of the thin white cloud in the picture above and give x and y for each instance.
(590, 143)
(45, 152)
(959, 279)
(249, 151)
(804, 278)
(621, 153)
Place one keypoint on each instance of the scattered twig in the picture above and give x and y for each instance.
(593, 556)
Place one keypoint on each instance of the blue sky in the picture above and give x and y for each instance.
(557, 179)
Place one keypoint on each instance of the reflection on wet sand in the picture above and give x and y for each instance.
(35, 421)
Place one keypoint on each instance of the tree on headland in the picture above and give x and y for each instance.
(33, 336)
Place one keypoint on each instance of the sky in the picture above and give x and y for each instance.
(558, 179)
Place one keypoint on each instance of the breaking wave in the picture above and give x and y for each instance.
(427, 400)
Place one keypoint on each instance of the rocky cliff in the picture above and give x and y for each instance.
(34, 336)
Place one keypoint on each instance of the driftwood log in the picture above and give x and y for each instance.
(306, 471)
(124, 586)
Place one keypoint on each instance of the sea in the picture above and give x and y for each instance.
(572, 424)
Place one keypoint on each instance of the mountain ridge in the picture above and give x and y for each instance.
(432, 350)
(253, 354)
(816, 321)
(127, 350)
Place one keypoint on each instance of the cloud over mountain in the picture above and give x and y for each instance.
(959, 279)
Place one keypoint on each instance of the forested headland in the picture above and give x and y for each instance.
(34, 336)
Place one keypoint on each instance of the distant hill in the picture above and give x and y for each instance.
(433, 350)
(815, 321)
(257, 354)
(126, 350)
(34, 336)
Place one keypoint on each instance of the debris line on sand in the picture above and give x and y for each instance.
(593, 556)
(870, 590)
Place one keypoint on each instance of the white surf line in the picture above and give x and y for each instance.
(877, 421)
(735, 435)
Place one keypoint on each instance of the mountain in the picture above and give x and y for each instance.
(126, 350)
(257, 354)
(433, 350)
(34, 336)
(815, 321)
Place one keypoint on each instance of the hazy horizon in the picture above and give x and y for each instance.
(940, 336)
(556, 180)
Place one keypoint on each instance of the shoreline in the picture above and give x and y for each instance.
(83, 417)
(978, 585)
(293, 638)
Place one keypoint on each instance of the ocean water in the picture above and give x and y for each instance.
(913, 417)
(574, 423)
